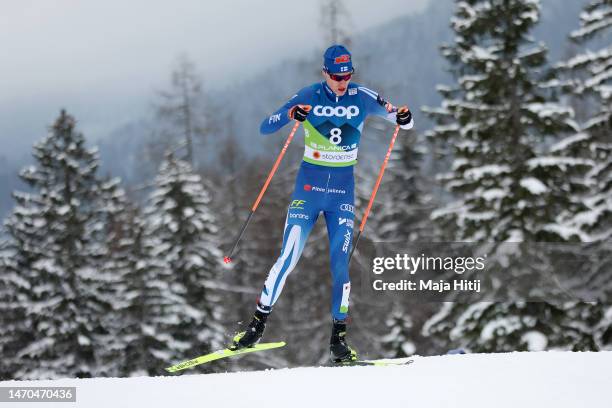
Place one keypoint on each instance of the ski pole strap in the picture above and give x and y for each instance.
(380, 176)
(276, 164)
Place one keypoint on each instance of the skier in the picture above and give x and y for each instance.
(332, 113)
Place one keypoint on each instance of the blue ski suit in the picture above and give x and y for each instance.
(324, 182)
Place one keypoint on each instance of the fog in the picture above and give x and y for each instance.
(103, 61)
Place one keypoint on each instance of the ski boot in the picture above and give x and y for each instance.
(339, 351)
(253, 333)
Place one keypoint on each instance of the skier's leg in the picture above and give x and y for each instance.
(340, 232)
(299, 223)
(302, 214)
(339, 217)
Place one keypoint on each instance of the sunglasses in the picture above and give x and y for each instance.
(339, 78)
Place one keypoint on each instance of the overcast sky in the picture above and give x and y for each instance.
(101, 59)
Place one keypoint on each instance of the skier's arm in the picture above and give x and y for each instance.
(282, 116)
(376, 105)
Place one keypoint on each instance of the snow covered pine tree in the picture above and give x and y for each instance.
(57, 247)
(588, 75)
(508, 189)
(182, 260)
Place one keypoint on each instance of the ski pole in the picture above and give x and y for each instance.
(380, 176)
(228, 258)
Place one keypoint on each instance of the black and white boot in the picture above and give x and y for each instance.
(253, 332)
(339, 351)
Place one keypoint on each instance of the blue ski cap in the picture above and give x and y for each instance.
(337, 60)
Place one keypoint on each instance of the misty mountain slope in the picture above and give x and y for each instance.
(400, 59)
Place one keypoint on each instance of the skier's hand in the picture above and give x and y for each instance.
(404, 116)
(299, 112)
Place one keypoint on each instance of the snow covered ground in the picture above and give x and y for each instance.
(517, 380)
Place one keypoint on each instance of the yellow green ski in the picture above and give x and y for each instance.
(219, 354)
